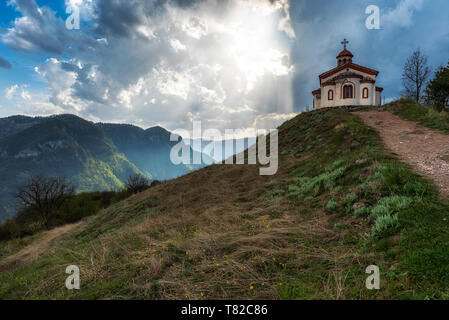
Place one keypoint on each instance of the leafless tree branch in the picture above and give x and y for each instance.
(415, 74)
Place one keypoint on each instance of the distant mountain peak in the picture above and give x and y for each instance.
(157, 129)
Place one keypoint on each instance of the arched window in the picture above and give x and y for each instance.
(365, 93)
(348, 92)
(330, 95)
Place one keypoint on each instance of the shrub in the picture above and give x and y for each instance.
(437, 90)
(318, 184)
(136, 183)
(10, 229)
(380, 210)
(385, 226)
(393, 177)
(362, 212)
(155, 183)
(331, 206)
(350, 199)
(369, 190)
(396, 203)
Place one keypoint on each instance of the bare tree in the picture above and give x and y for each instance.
(45, 196)
(136, 183)
(415, 74)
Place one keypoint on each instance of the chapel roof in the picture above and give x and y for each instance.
(349, 66)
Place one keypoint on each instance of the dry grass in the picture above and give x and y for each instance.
(214, 238)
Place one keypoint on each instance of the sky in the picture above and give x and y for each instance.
(231, 64)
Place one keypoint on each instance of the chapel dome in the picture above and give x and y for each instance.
(345, 53)
(344, 57)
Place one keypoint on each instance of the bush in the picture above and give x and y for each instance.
(385, 226)
(369, 190)
(380, 210)
(331, 206)
(155, 183)
(318, 184)
(396, 203)
(10, 229)
(393, 177)
(350, 199)
(362, 212)
(437, 90)
(136, 183)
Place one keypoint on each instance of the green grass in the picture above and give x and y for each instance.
(385, 225)
(393, 197)
(413, 111)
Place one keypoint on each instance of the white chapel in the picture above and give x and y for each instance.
(348, 84)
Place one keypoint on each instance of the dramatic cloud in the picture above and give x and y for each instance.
(5, 63)
(38, 30)
(167, 62)
(229, 63)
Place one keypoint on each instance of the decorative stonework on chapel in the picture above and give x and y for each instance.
(348, 84)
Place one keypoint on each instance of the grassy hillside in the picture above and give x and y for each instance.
(338, 204)
(411, 110)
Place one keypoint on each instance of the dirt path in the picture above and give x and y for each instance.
(33, 250)
(425, 150)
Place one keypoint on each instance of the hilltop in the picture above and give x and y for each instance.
(338, 204)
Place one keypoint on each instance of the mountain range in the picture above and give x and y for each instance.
(92, 156)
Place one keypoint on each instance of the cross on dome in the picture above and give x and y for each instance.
(345, 43)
